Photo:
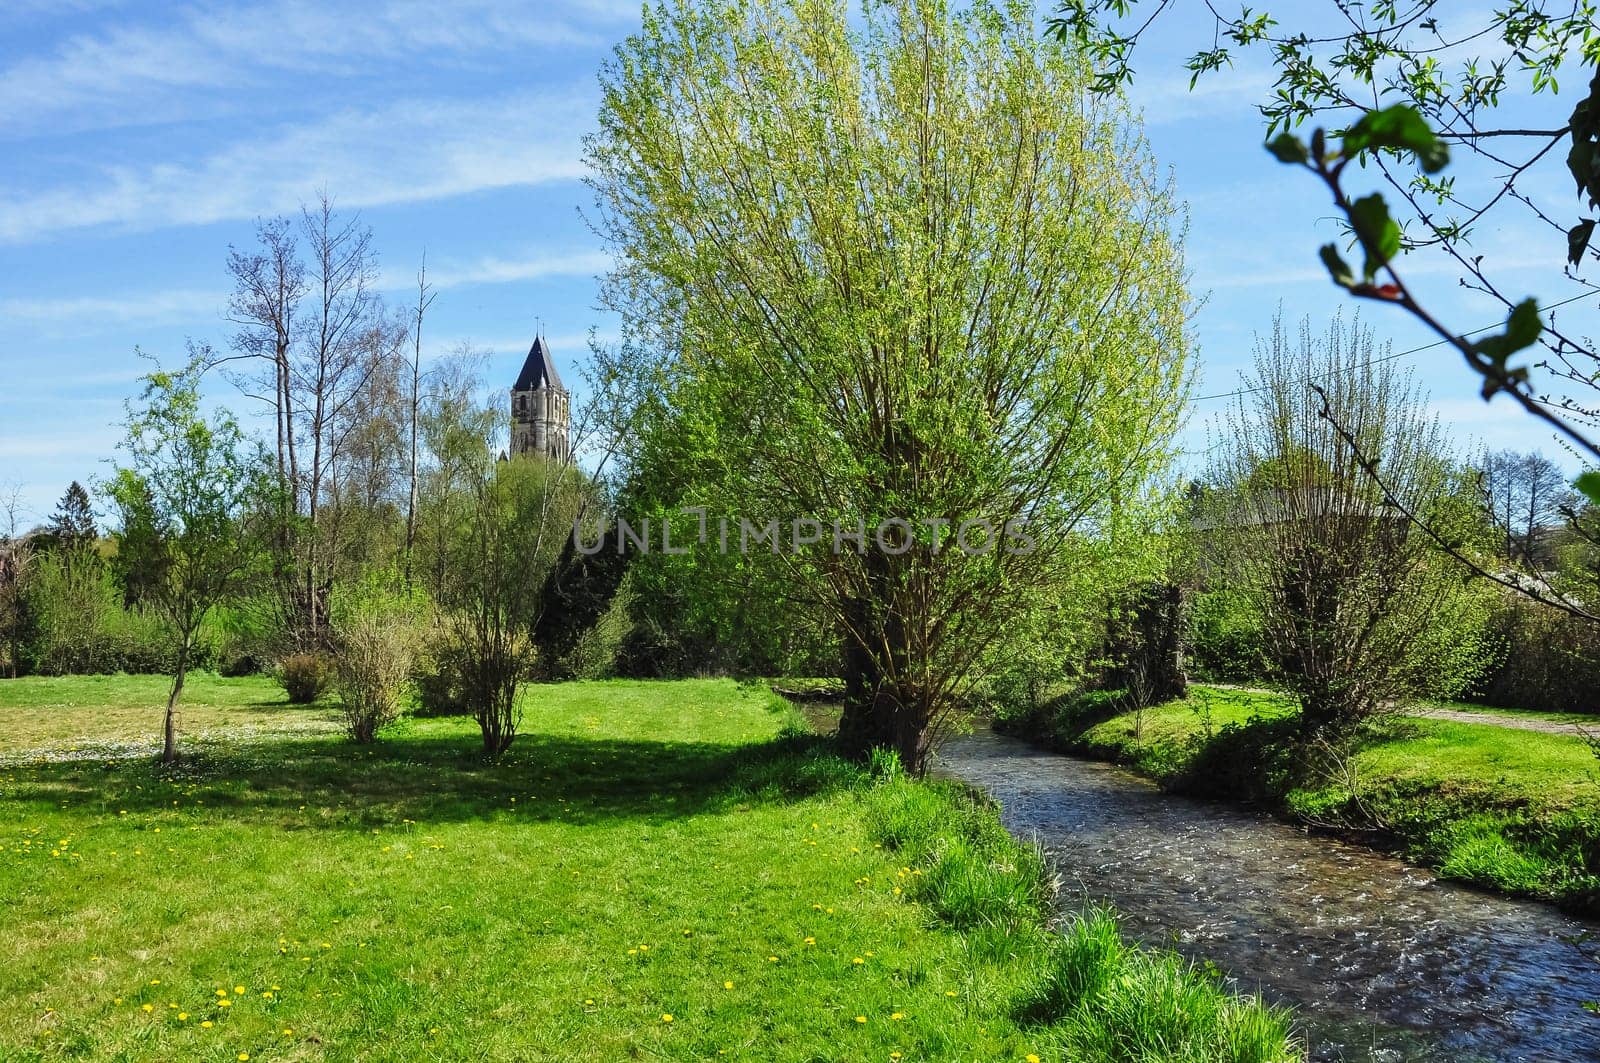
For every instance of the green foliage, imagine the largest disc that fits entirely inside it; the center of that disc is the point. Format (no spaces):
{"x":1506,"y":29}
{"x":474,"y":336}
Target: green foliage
{"x":883,"y":300}
{"x":597,"y":651}
{"x":501,"y":532}
{"x":305,"y":677}
{"x":70,"y":599}
{"x":1408,"y":83}
{"x":1546,"y":659}
{"x":1118,"y":1001}
{"x":1589,"y":484}
{"x":1358,"y":609}
{"x":192,"y":498}
{"x":1225,"y":637}
{"x":376,"y":623}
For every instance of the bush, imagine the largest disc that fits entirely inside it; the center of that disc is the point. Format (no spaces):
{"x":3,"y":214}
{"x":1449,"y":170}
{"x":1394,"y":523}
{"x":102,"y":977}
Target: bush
{"x":304,"y":677}
{"x":375,"y":626}
{"x":1547,"y":660}
{"x":1224,"y":639}
{"x":373,"y":665}
{"x":440,"y":690}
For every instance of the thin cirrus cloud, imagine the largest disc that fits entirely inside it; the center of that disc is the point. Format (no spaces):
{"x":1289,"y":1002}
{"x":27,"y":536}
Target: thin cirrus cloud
{"x":406,"y":152}
{"x":132,"y":74}
{"x":92,"y":314}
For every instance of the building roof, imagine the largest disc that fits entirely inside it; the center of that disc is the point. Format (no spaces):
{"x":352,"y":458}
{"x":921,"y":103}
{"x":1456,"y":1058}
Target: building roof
{"x":539,"y":371}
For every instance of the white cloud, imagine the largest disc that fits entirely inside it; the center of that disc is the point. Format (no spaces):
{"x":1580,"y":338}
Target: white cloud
{"x":133,"y":74}
{"x":410,"y":151}
{"x":500,"y":270}
{"x":87,"y":312}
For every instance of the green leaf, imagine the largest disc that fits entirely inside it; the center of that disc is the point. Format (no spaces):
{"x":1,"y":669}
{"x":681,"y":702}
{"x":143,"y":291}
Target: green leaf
{"x":1588,"y":485}
{"x":1378,"y":233}
{"x":1522,"y":330}
{"x":1286,"y":147}
{"x":1578,"y":240}
{"x":1402,"y":129}
{"x":1338,"y":268}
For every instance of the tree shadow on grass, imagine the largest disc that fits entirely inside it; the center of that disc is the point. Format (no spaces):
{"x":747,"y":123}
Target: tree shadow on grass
{"x":329,"y":783}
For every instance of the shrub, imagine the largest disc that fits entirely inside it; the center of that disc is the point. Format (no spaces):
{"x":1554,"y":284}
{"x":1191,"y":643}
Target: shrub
{"x":1224,"y":636}
{"x":304,"y":676}
{"x":372,"y":667}
{"x":440,"y":688}
{"x":375,"y":627}
{"x":1548,"y":660}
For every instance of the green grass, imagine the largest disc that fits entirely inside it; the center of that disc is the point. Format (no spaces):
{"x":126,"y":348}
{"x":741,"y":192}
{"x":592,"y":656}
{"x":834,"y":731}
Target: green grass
{"x":645,"y":850}
{"x":1506,"y":808}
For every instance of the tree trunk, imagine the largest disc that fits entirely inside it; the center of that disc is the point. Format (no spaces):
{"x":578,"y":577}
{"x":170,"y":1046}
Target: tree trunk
{"x":169,"y":730}
{"x":880,"y":713}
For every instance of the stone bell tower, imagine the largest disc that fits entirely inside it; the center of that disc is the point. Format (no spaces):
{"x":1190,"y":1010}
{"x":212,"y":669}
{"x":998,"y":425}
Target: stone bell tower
{"x":541,"y":420}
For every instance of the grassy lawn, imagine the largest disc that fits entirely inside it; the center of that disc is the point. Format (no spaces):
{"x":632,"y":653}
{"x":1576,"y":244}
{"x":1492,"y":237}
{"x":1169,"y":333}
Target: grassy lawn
{"x":652,"y":872}
{"x":1512,"y":809}
{"x":122,"y":713}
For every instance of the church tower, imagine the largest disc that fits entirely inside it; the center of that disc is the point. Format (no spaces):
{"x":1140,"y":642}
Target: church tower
{"x":541,"y":421}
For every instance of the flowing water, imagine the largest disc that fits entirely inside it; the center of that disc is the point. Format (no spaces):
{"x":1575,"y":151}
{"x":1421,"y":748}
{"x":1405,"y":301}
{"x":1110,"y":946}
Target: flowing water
{"x":1381,"y":962}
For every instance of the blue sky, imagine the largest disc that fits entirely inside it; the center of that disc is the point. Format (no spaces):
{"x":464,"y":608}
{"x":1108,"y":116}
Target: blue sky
{"x":139,"y":140}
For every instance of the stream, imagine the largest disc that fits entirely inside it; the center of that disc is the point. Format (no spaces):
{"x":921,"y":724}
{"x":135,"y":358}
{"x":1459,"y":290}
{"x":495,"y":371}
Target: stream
{"x":1380,"y":961}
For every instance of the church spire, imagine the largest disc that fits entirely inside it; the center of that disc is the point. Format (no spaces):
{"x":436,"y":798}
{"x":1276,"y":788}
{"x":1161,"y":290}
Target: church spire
{"x":541,"y":421}
{"x":539,"y":370}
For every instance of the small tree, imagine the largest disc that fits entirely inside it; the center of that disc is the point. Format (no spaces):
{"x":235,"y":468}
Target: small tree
{"x":489,"y":532}
{"x":512,"y":524}
{"x":192,"y":497}
{"x":1360,"y":610}
{"x":72,"y":524}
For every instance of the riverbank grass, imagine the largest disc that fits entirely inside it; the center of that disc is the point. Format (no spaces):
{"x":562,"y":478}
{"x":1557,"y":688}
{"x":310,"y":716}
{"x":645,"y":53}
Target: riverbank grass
{"x":1502,"y":807}
{"x":655,"y":870}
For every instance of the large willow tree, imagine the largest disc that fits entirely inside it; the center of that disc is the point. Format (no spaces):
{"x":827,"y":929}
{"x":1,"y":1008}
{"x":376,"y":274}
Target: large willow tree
{"x":896,"y":266}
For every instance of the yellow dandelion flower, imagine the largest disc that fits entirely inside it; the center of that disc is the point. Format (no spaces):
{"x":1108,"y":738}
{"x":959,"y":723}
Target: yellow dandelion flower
{"x":858,"y":960}
{"x":239,"y":989}
{"x":117,"y":1000}
{"x":146,"y":1007}
{"x":666,"y":1017}
{"x":727,"y":985}
{"x":588,"y":1002}
{"x":207,"y":1024}
{"x":770,"y":959}
{"x":224,"y":1003}
{"x":949,"y":992}
{"x":288,"y":1032}
{"x":861,"y":1018}
{"x":1031,"y":1058}
{"x":811,"y":941}
{"x":243,"y":1056}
